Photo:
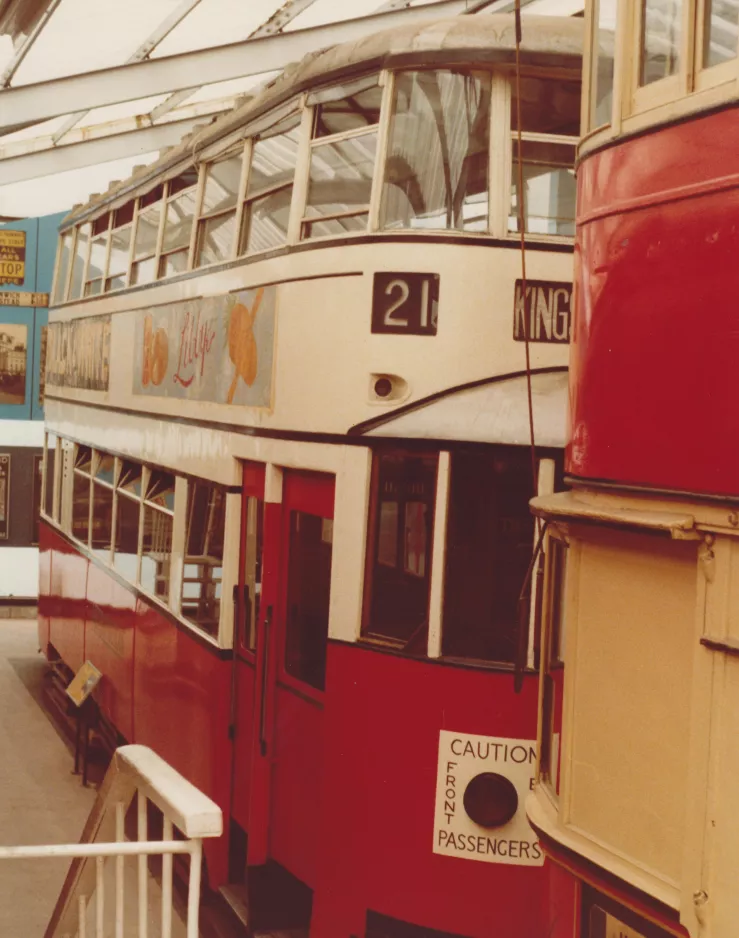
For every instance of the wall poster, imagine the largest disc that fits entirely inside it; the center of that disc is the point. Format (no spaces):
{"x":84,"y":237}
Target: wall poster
{"x":12,"y":257}
{"x":78,"y":354}
{"x":217,"y":348}
{"x":13,"y":362}
{"x":4,"y":495}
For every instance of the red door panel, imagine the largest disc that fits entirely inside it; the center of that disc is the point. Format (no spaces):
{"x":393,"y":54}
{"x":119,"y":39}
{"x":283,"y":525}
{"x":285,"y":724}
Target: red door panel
{"x":291,"y":655}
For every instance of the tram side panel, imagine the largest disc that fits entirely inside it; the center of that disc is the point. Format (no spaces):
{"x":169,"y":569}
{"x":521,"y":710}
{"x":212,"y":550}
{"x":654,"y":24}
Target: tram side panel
{"x":182,"y":689}
{"x":67,"y":612}
{"x":381,"y":821}
{"x":45,"y":595}
{"x":109,"y":642}
{"x":654,"y":344}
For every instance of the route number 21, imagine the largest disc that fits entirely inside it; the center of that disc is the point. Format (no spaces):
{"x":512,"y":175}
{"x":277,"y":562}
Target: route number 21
{"x":405,"y":303}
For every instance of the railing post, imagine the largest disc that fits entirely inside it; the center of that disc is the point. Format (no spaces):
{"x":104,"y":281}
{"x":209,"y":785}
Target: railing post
{"x":193,"y":891}
{"x":167,"y":883}
{"x":99,"y":897}
{"x":119,"y":860}
{"x":143,"y":868}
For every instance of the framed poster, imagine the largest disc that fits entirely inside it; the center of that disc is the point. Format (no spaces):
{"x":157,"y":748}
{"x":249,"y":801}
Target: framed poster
{"x":13,"y":362}
{"x":4,"y":495}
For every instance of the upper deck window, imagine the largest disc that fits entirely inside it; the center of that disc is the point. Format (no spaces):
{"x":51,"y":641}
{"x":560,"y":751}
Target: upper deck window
{"x":550,"y":120}
{"x":62,"y":273}
{"x":79,"y":264}
{"x":116,"y":275}
{"x":436,"y":174}
{"x":143,"y":268}
{"x":661,"y":39}
{"x":270,"y":187}
{"x":217,"y":224}
{"x":178,"y":219}
{"x":98,"y":255}
{"x":720,"y":32}
{"x":342,"y":163}
{"x":604,"y":42}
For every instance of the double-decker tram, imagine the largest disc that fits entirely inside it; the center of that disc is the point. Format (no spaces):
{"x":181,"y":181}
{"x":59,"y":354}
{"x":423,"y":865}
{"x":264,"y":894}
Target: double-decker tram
{"x":635,"y":802}
{"x":287,"y":399}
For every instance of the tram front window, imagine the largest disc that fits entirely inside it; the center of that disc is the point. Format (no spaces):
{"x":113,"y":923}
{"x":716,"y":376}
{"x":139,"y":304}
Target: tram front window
{"x":399,"y":567}
{"x":436,"y":172}
{"x":489,"y":542}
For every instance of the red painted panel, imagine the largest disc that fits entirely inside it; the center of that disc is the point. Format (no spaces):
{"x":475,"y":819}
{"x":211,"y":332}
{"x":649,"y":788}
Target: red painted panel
{"x":243,"y":743}
{"x":382,"y":716}
{"x":655,"y":342}
{"x":44,"y":584}
{"x":295,"y":824}
{"x":182,"y":693}
{"x":109,"y":638}
{"x":67,"y":614}
{"x":564,"y":903}
{"x":312,"y":492}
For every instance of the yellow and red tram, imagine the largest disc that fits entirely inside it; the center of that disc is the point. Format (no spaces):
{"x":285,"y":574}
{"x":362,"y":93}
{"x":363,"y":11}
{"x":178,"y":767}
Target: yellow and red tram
{"x":287,"y":404}
{"x":635,"y":798}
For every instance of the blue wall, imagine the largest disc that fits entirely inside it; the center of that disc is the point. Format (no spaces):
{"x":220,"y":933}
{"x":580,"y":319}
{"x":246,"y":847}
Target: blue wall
{"x":41,"y":242}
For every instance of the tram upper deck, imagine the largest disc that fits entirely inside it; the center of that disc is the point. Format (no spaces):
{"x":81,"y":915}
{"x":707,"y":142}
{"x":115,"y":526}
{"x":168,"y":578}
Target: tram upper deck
{"x":367,"y":202}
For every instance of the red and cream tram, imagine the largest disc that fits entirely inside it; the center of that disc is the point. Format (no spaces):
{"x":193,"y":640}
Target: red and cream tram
{"x":635,"y":802}
{"x":288,"y":468}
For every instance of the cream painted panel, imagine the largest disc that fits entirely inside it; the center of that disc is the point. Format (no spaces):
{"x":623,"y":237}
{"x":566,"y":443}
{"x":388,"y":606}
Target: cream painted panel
{"x":723,"y":817}
{"x":351,"y":509}
{"x":631,"y":708}
{"x":325,"y":350}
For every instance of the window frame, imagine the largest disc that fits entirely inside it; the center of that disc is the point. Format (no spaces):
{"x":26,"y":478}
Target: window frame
{"x":168,"y":198}
{"x":555,"y":534}
{"x":299,"y":112}
{"x":201,"y":217}
{"x":98,"y":237}
{"x":367,"y":634}
{"x":129,"y":261}
{"x":312,"y":142}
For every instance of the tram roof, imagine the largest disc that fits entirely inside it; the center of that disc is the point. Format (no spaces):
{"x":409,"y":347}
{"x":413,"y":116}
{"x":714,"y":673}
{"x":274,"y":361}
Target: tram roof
{"x":547,"y":42}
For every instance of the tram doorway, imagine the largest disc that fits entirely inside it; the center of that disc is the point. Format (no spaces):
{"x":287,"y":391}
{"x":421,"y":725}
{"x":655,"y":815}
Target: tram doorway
{"x":281,"y":667}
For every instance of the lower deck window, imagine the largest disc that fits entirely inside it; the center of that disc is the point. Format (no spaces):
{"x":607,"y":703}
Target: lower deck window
{"x":489,"y":542}
{"x":203,"y":566}
{"x":308,"y":592}
{"x":400,"y":559}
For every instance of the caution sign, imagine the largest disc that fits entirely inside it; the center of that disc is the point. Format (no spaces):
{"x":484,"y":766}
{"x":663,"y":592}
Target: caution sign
{"x":12,"y":257}
{"x":481,"y":787}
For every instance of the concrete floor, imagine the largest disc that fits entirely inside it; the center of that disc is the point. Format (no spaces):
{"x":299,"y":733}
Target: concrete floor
{"x":40,"y":800}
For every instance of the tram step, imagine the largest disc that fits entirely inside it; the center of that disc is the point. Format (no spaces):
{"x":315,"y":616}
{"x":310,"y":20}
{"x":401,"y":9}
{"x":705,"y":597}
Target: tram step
{"x":273,"y":905}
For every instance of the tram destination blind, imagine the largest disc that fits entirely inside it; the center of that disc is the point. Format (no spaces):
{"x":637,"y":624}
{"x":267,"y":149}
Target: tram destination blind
{"x":405,"y":303}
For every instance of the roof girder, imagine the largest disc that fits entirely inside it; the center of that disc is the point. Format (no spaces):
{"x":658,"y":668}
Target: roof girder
{"x":43,"y":100}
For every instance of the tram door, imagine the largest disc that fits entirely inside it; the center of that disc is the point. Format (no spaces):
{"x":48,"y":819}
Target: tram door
{"x":291,"y":674}
{"x":248,"y":606}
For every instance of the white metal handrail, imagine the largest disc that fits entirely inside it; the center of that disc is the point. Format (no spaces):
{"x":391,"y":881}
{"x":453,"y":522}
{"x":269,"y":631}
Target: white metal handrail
{"x":135,"y":771}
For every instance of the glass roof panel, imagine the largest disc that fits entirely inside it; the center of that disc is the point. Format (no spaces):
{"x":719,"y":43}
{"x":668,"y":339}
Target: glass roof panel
{"x":83,"y":36}
{"x":60,"y":192}
{"x":217,"y":22}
